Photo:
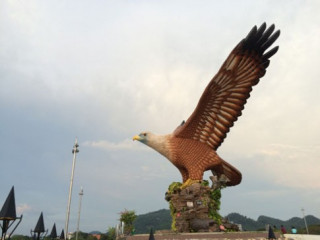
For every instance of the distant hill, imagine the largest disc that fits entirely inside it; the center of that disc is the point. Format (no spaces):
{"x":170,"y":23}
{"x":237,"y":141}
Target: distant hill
{"x":248,"y":224}
{"x":252,"y":225}
{"x":161,"y":220}
{"x":95,"y":232}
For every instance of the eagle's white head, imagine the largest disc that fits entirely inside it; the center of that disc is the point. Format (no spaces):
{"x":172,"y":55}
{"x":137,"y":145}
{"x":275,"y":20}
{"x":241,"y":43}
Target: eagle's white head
{"x":157,"y":142}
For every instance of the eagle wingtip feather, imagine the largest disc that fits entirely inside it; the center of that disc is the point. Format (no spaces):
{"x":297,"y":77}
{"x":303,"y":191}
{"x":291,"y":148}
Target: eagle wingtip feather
{"x":260,"y":39}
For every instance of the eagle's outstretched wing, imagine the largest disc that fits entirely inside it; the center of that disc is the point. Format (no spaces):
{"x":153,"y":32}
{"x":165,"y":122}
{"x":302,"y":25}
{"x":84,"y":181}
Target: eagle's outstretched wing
{"x":225,"y":96}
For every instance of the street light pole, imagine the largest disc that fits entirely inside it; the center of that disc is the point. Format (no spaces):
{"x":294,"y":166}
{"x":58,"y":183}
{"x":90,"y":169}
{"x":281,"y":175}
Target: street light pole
{"x":305,"y":221}
{"x":79,"y":211}
{"x":75,"y":150}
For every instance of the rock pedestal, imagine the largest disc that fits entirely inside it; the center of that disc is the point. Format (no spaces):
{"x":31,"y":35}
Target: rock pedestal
{"x":195,"y":208}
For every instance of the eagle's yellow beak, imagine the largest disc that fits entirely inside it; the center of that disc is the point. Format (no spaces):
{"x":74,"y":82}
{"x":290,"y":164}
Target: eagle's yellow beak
{"x":136,"y":137}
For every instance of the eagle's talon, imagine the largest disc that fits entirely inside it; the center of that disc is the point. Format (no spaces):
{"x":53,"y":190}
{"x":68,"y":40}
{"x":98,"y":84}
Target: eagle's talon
{"x":188,"y":183}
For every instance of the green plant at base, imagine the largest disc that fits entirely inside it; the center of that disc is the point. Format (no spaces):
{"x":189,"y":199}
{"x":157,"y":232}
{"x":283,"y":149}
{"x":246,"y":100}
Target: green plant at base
{"x":175,"y":186}
{"x":214,"y":205}
{"x":205,"y":183}
{"x":173,"y":216}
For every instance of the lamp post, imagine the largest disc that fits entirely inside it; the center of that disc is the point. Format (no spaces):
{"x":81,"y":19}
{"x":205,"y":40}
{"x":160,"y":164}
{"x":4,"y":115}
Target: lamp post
{"x":75,"y":150}
{"x":305,"y":221}
{"x":79,"y":211}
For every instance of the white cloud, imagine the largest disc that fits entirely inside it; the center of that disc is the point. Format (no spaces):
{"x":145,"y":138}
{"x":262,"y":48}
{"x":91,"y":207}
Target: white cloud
{"x":290,"y":166}
{"x":267,"y":193}
{"x":21,"y":208}
{"x":126,"y":144}
{"x":145,"y":168}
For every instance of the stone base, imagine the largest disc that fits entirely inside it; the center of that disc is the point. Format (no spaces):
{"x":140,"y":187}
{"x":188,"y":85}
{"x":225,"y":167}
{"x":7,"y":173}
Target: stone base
{"x":195,"y":208}
{"x":221,"y":236}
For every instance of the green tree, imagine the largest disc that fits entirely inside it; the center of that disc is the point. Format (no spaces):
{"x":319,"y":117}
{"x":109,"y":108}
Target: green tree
{"x":111,"y":234}
{"x":91,"y":237}
{"x":20,"y":237}
{"x":128,"y":218}
{"x":104,"y":236}
{"x":81,"y":236}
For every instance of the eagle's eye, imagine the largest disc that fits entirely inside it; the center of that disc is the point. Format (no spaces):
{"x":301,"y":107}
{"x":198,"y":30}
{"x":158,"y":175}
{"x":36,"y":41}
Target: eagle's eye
{"x":145,"y":134}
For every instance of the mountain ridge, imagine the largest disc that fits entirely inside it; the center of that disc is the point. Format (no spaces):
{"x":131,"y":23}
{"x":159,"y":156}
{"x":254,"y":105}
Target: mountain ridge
{"x":161,"y":220}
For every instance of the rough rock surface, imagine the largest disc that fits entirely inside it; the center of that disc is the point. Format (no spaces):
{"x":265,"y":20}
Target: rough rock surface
{"x":190,"y":210}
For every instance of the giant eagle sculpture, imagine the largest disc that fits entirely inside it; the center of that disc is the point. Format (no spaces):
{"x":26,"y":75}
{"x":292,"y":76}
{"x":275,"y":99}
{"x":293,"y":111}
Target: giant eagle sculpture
{"x":192,"y":146}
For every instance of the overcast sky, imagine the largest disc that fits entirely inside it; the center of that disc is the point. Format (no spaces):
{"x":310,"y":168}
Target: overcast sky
{"x":104,"y":71}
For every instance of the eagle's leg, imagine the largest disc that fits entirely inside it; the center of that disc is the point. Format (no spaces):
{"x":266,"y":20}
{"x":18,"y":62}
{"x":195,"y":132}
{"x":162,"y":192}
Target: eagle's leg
{"x":194,"y":177}
{"x":184,"y":174}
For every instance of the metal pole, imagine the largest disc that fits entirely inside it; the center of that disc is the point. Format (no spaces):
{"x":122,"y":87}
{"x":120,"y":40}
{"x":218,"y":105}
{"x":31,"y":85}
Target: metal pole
{"x":80,"y":198}
{"x":305,"y":221}
{"x":74,"y":151}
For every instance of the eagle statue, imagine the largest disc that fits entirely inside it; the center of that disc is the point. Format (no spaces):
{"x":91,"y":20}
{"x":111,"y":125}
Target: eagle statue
{"x":192,"y":146}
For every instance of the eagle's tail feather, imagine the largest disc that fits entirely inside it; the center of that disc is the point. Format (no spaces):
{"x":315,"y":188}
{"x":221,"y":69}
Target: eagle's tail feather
{"x":231,"y":173}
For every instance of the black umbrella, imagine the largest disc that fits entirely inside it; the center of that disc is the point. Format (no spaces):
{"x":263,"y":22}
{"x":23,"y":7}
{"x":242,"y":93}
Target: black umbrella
{"x":53,"y":234}
{"x":62,"y":234}
{"x":8,"y":214}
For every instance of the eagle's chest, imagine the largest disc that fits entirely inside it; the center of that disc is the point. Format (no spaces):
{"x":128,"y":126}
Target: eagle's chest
{"x":187,"y":151}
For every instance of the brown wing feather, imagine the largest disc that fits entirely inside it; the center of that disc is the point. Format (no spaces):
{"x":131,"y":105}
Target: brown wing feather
{"x":225,"y":96}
